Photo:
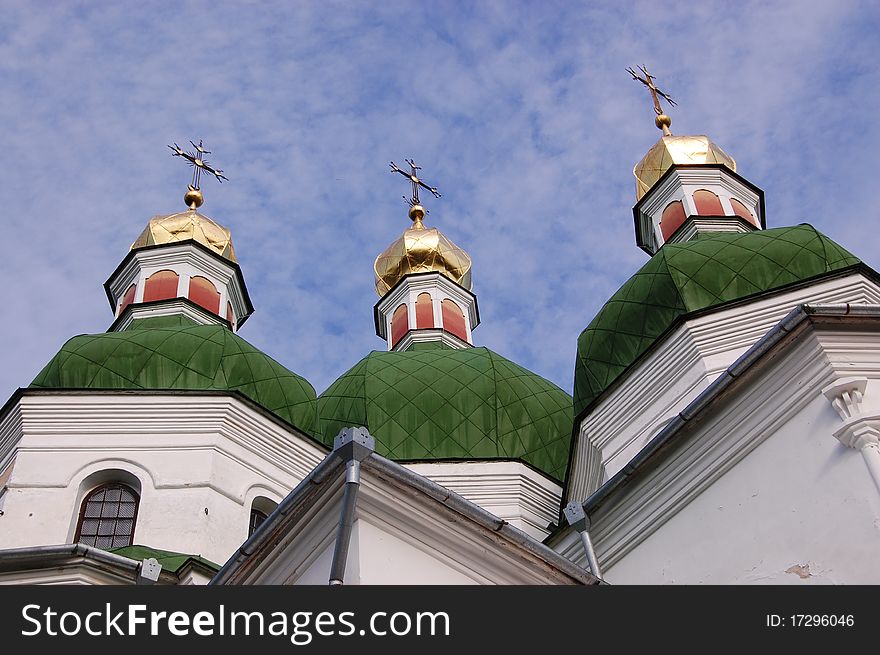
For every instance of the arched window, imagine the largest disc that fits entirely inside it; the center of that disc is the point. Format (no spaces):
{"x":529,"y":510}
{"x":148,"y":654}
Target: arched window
{"x":453,"y":319}
{"x":707,"y":203}
{"x":260,"y":510}
{"x":424,"y":311}
{"x":203,"y":293}
{"x":127,"y":299}
{"x":399,"y":324}
{"x":741,"y":210}
{"x":161,"y":285}
{"x":107,"y":516}
{"x":673,"y":217}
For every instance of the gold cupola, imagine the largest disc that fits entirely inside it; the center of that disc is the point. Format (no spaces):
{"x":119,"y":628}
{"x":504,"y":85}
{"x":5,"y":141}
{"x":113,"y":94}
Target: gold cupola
{"x":673,"y":150}
{"x":184,"y":226}
{"x":421,"y":249}
{"x":424,"y":283}
{"x":687,"y":186}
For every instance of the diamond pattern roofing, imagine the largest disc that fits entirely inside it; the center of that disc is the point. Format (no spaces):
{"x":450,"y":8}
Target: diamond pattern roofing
{"x":173,"y":352}
{"x":436,"y":403}
{"x":689,"y":277}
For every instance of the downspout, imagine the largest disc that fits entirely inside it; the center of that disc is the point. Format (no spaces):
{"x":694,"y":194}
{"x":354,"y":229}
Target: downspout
{"x":578,"y":519}
{"x":352,"y":445}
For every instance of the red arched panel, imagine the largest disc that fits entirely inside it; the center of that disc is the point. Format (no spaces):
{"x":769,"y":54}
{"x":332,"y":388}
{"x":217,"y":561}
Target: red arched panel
{"x":453,"y":319}
{"x":707,"y":203}
{"x":673,"y":217}
{"x":741,"y":210}
{"x":161,"y":286}
{"x":399,"y":324}
{"x":127,"y":299}
{"x":424,"y":311}
{"x":203,"y":293}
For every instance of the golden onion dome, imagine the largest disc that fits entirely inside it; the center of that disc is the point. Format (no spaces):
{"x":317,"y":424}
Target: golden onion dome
{"x":421,"y":250}
{"x":184,"y":226}
{"x":671,"y":150}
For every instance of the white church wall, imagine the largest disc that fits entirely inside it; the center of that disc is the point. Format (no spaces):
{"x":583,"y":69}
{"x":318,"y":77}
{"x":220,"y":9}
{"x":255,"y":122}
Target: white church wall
{"x":762,"y":492}
{"x":391,"y":557}
{"x":199,"y":461}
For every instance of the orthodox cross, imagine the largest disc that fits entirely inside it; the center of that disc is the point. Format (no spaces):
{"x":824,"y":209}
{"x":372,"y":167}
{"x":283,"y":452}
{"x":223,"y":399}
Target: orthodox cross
{"x":663,"y":121}
{"x":416,"y":182}
{"x":198,"y":162}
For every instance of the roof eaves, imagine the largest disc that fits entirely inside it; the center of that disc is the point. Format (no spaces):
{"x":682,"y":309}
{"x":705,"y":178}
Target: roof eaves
{"x":750,"y":362}
{"x":331,"y":467}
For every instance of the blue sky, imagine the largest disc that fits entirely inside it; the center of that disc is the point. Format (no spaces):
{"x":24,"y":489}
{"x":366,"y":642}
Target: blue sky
{"x":521,"y":113}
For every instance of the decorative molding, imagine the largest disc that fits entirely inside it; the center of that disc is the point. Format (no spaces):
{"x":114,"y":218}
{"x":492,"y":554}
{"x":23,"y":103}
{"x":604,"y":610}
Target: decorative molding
{"x":170,"y":307}
{"x":137,"y":423}
{"x":694,"y":226}
{"x":510,"y":490}
{"x":429,"y":336}
{"x":845,"y":396}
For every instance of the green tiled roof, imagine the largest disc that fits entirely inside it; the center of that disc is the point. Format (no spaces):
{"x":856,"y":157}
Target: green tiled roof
{"x":434,"y":404}
{"x":688,"y":277}
{"x":170,"y":561}
{"x":176,"y":353}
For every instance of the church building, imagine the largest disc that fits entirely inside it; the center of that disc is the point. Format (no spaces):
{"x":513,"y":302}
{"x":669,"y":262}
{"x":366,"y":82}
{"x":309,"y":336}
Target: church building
{"x":724,"y":425}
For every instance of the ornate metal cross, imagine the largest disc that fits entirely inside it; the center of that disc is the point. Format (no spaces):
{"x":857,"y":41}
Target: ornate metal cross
{"x":416,"y":182}
{"x":656,"y":94}
{"x":198,"y":162}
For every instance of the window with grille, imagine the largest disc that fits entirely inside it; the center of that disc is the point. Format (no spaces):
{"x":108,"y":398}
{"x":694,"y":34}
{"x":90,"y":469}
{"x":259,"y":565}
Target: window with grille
{"x":257,"y":517}
{"x":107,"y":516}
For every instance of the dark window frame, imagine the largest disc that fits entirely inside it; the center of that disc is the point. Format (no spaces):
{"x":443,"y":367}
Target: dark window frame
{"x":254,"y":524}
{"x":93,"y":539}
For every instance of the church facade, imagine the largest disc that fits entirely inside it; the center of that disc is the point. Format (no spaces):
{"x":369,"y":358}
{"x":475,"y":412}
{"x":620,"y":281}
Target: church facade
{"x":723,"y":426}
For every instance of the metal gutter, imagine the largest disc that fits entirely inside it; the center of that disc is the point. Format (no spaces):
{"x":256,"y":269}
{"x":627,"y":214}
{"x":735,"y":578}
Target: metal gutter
{"x":791,"y":323}
{"x":19,"y":559}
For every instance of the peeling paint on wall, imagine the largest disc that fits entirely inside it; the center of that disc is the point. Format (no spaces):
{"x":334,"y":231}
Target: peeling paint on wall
{"x":800,"y":570}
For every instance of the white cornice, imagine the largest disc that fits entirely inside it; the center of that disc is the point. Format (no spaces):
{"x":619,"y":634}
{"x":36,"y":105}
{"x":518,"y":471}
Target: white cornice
{"x":694,"y":226}
{"x":510,"y":490}
{"x":133,"y":423}
{"x":430,"y":336}
{"x":170,"y":307}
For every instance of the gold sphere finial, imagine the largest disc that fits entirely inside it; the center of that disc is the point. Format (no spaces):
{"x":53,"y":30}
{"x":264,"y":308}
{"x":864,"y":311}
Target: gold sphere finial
{"x":662,"y":121}
{"x":193,"y":198}
{"x":416,"y":214}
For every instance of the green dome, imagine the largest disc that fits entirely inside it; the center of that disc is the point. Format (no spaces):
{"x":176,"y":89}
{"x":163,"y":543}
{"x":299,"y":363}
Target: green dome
{"x":174,"y":352}
{"x":447,"y":404}
{"x":683,"y":278}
